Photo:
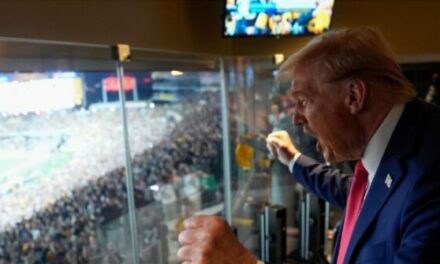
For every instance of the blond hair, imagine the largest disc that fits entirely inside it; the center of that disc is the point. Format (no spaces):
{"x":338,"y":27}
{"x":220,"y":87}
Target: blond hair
{"x":361,"y":53}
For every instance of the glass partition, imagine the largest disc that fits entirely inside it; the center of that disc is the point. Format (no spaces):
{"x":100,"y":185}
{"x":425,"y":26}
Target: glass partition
{"x":175,"y":139}
{"x":259,"y":105}
{"x":55,"y":153}
{"x":83,"y":181}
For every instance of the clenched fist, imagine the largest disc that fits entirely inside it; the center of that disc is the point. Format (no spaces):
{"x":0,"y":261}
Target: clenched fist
{"x":209,"y":240}
{"x":280,"y":145}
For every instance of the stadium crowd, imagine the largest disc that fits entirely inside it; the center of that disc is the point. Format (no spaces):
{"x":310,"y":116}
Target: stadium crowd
{"x":174,"y":147}
{"x":81,"y":144}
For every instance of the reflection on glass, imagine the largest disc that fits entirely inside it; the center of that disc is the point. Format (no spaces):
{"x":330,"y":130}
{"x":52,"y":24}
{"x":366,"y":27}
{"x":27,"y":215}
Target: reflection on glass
{"x":260,"y":105}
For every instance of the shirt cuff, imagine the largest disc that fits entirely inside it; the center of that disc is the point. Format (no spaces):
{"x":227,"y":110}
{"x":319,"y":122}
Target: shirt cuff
{"x":293,"y":161}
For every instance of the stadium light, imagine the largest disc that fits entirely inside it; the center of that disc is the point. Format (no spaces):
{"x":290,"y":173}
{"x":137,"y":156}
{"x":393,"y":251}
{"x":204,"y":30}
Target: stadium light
{"x":176,"y":73}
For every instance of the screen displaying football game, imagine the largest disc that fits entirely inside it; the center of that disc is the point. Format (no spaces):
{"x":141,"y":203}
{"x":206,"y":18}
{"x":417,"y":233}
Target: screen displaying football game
{"x":277,"y":17}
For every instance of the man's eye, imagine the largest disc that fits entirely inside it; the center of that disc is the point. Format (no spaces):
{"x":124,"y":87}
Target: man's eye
{"x":302,"y":102}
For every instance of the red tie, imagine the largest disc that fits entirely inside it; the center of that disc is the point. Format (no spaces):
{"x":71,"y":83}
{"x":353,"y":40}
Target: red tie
{"x":354,"y":202}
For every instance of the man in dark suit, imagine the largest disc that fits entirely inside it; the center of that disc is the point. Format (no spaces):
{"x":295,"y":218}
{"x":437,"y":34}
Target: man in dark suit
{"x":352,"y":96}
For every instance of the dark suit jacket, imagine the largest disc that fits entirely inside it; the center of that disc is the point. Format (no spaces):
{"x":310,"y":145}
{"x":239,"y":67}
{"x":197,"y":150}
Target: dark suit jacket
{"x":399,"y":224}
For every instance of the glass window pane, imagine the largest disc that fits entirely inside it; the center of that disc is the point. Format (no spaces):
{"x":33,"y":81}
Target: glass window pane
{"x":260,"y":105}
{"x":174,"y":126}
{"x":61,"y":155}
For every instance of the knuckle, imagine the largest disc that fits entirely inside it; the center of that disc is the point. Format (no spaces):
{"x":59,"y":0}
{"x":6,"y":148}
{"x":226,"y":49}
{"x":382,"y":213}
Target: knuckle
{"x":207,"y":238}
{"x":218,"y":221}
{"x":219,"y":225}
{"x":183,"y":237}
{"x":183,"y":253}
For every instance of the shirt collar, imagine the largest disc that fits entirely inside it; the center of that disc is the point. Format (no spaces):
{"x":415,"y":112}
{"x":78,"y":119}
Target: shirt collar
{"x":378,"y":143}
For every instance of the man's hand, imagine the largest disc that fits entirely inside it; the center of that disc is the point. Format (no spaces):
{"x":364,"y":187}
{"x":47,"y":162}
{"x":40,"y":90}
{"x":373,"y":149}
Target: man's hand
{"x":280,"y":145}
{"x":209,"y":240}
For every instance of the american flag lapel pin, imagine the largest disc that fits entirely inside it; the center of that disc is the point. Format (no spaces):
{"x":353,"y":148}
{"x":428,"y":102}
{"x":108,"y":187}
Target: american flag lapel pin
{"x":388,"y":181}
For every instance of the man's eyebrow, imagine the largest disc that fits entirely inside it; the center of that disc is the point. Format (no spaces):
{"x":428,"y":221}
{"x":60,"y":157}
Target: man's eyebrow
{"x":299,"y":93}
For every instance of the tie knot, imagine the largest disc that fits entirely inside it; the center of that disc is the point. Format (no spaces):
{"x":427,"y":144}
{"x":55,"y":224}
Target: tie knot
{"x":360,"y":171}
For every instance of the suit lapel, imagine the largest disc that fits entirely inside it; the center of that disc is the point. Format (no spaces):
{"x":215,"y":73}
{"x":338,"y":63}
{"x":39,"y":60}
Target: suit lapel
{"x":390,"y":167}
{"x":376,"y":197}
{"x":338,"y":241}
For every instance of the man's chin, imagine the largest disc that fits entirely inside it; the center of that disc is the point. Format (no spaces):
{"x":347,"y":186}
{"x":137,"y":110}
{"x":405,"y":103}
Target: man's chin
{"x":328,"y":155}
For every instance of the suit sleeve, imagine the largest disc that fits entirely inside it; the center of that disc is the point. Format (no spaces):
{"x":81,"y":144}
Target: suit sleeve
{"x":421,"y":225}
{"x":324,"y":181}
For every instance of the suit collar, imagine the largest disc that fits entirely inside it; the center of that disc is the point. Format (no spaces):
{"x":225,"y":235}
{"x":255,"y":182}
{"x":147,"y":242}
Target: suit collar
{"x":407,"y":128}
{"x":379,"y":141}
{"x":390,"y":167}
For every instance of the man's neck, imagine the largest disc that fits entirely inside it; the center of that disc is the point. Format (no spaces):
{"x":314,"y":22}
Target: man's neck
{"x":373,"y":119}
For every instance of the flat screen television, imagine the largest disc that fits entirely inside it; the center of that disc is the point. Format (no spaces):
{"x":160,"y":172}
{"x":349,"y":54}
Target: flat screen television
{"x":276,"y":17}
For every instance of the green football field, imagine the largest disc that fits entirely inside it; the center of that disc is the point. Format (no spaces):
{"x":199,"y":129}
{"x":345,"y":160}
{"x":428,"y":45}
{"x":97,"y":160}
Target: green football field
{"x":28,"y":168}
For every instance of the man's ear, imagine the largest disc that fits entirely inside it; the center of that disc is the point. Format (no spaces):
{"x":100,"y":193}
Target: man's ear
{"x":356,"y":96}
